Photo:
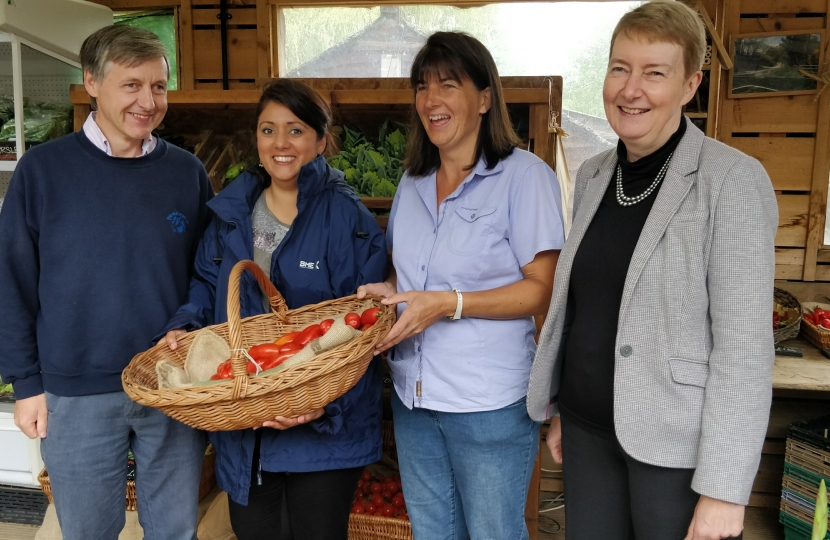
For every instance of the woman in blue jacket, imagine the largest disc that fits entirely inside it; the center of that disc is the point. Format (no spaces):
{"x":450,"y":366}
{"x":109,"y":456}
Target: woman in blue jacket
{"x":297,"y":219}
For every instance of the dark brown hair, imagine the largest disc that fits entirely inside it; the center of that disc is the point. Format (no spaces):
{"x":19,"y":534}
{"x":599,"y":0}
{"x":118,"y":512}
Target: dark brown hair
{"x":461,"y":57}
{"x":306,"y":104}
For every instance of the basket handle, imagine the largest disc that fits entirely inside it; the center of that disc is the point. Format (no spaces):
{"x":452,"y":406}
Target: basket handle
{"x":239,"y":361}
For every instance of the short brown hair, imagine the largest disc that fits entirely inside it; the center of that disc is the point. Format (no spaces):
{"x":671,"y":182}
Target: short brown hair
{"x":120,"y":44}
{"x":463,"y":58}
{"x":667,"y":21}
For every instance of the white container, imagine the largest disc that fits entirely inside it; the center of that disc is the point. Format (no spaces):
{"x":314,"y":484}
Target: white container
{"x":20,"y":460}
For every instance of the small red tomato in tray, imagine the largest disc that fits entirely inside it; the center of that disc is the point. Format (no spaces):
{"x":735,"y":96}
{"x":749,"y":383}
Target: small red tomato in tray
{"x":370,"y":316}
{"x":326,"y":325}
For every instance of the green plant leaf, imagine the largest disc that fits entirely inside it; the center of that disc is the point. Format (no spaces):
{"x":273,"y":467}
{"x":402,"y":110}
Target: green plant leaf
{"x":820,"y":516}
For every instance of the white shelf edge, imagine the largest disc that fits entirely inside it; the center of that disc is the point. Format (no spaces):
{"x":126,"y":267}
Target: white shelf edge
{"x":7,"y":165}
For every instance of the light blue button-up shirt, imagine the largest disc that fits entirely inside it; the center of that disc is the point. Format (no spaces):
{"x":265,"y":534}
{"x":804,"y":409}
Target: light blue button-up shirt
{"x":479,"y":238}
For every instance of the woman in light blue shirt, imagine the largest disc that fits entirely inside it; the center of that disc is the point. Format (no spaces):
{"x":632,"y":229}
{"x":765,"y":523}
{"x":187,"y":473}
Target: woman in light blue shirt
{"x":475,"y":233}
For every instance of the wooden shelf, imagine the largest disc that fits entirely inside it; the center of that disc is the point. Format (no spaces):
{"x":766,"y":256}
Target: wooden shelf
{"x":811,"y":372}
{"x":697,"y":114}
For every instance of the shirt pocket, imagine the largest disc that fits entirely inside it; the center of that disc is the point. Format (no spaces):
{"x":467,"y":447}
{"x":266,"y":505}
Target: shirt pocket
{"x":469,"y":229}
{"x":689,"y":372}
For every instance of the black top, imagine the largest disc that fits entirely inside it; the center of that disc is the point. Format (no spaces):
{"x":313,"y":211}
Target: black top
{"x":597,"y":279}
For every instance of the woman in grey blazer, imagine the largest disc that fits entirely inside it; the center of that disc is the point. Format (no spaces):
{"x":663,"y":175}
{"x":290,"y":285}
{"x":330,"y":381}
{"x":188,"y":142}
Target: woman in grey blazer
{"x":656,"y":356}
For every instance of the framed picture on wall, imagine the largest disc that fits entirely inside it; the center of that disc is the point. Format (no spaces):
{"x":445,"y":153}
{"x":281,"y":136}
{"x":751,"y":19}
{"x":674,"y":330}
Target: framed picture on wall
{"x":771,"y":64}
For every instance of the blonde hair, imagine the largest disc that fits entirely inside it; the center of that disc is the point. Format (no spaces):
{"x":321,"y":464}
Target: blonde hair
{"x":667,"y":21}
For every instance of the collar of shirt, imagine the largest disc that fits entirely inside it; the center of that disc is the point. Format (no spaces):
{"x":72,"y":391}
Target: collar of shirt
{"x":97,"y":137}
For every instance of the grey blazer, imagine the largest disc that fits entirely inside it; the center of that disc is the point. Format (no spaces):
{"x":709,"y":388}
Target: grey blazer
{"x":694,"y":348}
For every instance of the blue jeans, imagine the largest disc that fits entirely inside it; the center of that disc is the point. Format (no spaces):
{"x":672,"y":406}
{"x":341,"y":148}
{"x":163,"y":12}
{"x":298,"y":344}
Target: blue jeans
{"x":85,"y":452}
{"x":466,"y":475}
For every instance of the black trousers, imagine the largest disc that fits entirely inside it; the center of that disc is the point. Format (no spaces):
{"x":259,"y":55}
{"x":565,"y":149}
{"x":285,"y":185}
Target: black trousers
{"x":318,"y":506}
{"x":611,"y":496}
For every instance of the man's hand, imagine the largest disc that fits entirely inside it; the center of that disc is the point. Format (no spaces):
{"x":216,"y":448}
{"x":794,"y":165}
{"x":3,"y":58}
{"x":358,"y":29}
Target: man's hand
{"x":716,"y":519}
{"x":30,"y":415}
{"x":554,"y":439}
{"x":281,"y":422}
{"x":172,"y":338}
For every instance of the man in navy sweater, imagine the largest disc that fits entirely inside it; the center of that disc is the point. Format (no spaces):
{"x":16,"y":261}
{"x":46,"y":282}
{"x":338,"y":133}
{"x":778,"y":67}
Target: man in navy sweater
{"x":97,"y":238}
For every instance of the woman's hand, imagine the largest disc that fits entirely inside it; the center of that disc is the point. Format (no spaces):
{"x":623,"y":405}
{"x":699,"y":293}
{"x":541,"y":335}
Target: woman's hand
{"x":716,"y":519}
{"x":422,"y":310}
{"x":554,"y":439}
{"x":172,"y":338}
{"x":282,"y":422}
{"x":384,"y":289}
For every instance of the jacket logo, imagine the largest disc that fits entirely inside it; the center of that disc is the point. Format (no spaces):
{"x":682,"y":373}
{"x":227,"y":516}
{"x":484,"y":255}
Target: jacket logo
{"x":310,"y":265}
{"x":177,"y":222}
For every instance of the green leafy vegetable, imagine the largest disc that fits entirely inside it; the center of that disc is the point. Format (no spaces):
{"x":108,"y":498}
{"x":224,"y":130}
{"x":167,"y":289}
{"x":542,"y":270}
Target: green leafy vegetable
{"x":372,"y":170}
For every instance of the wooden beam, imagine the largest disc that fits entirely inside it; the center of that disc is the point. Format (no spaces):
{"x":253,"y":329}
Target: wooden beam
{"x":821,"y":174}
{"x":278,"y":47}
{"x":187,"y":78}
{"x":263,"y":38}
{"x":716,"y":39}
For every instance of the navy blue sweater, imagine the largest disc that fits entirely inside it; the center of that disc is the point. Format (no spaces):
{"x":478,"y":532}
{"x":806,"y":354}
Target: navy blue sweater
{"x":95,"y":257}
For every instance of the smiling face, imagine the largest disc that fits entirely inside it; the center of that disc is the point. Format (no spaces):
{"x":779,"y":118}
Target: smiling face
{"x":132,"y":101}
{"x":644,"y":92}
{"x":285,"y":143}
{"x":451,"y":112}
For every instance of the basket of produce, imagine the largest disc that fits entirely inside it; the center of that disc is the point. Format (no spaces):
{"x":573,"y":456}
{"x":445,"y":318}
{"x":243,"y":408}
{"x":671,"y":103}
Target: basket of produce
{"x":786,"y":316}
{"x":206,"y":484}
{"x":816,"y":327}
{"x":242,"y":373}
{"x":379,"y":509}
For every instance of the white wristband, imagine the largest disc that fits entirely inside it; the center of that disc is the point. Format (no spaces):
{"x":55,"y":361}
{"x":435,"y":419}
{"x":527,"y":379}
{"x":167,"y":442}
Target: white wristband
{"x":458,"y":306}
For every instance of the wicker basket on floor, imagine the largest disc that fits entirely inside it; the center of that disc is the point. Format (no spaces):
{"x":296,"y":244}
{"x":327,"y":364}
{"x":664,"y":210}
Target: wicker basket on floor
{"x":363,"y":527}
{"x":820,"y":337}
{"x":205,"y":485}
{"x":247,"y":401}
{"x":787,"y":301}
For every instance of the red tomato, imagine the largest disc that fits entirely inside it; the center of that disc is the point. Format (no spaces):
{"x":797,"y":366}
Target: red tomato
{"x":366,"y":327}
{"x":370,"y":316}
{"x":366,"y":476}
{"x":397,"y":501}
{"x":377,"y":499}
{"x":261,"y":351}
{"x":370,"y":508}
{"x":359,"y":484}
{"x":386,"y":494}
{"x":403,"y":517}
{"x":251,"y":367}
{"x":825,"y":323}
{"x":287,"y":338}
{"x":225,"y":370}
{"x":309,"y":334}
{"x":365,"y":489}
{"x":388,"y":511}
{"x":358,"y":509}
{"x":273,"y":361}
{"x":292,"y":347}
{"x":215,"y":377}
{"x":353,"y":320}
{"x":378,"y":512}
{"x":375,"y":487}
{"x":325,"y":325}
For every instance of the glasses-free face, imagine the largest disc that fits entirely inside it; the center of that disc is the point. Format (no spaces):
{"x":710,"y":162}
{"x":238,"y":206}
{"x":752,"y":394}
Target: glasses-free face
{"x":132,"y":101}
{"x":450,"y":111}
{"x":644,"y":92}
{"x":285,"y":143}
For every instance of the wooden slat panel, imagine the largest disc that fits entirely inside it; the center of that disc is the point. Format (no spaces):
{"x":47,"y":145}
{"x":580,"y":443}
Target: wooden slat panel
{"x":787,"y":114}
{"x":784,"y":24}
{"x":788,"y":160}
{"x":242,"y":56}
{"x":770,"y":471}
{"x":823,"y":272}
{"x":792,"y":220}
{"x":232,"y":85}
{"x":264,"y":37}
{"x":789,"y":271}
{"x":789,"y":256}
{"x":783,"y":6}
{"x":823,"y":256}
{"x":238,"y":16}
{"x":80,"y":113}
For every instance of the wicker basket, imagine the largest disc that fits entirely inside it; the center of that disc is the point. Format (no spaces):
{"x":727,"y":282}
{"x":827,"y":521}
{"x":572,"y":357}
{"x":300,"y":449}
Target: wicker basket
{"x":205,"y":485}
{"x":248,"y":401}
{"x":787,"y":301}
{"x":363,"y":527}
{"x":819,"y":337}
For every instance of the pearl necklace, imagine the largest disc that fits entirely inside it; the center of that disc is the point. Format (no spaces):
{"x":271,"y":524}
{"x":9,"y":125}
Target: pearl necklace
{"x":630,"y":201}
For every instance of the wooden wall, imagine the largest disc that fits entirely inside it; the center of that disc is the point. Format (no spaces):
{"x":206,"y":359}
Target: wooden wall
{"x":790,"y":135}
